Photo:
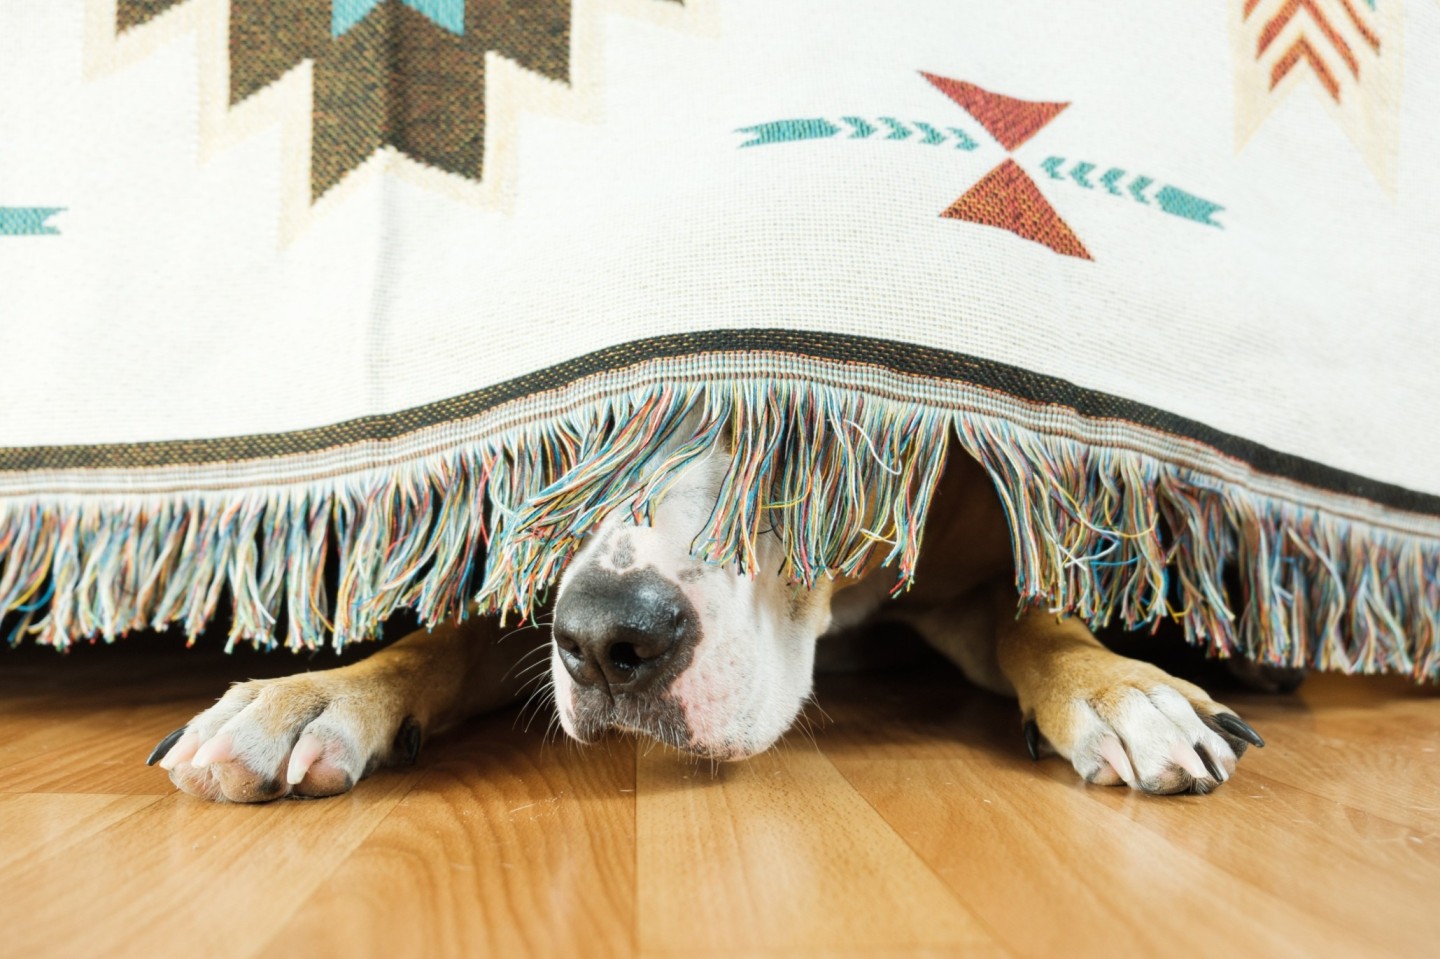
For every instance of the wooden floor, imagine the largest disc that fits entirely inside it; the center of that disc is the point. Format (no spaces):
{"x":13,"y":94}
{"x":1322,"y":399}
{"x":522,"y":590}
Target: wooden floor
{"x":914,"y":825}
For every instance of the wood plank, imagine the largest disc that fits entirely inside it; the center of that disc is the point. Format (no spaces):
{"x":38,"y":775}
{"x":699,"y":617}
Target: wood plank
{"x":943,"y":763}
{"x":1368,"y":744}
{"x":1293,"y":845}
{"x":507,"y":846}
{"x":779,"y":854}
{"x":1328,"y":842}
{"x":97,"y":751}
{"x":1054,"y":873}
{"x":34,"y":827}
{"x":182,"y":875}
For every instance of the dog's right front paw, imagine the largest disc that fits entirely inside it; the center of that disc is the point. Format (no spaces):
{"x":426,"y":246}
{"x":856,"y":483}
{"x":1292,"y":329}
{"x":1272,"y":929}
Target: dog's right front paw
{"x":309,"y":735}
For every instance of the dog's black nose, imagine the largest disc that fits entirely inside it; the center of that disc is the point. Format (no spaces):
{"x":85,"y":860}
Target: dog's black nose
{"x":627,"y":632}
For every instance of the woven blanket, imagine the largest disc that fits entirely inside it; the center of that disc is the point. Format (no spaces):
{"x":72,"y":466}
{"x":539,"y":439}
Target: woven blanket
{"x":314,"y":310}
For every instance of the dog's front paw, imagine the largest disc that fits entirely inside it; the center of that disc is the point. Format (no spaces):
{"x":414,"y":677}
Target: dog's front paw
{"x":1141,"y":727}
{"x":311,"y":735}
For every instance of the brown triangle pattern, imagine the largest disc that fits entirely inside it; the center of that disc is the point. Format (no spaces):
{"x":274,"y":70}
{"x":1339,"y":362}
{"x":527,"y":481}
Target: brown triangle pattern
{"x":395,"y":79}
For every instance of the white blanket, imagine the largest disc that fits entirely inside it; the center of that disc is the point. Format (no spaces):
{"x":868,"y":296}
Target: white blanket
{"x":412,"y":288}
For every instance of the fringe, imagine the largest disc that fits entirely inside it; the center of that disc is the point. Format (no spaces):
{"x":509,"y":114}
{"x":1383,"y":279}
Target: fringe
{"x":843,"y":477}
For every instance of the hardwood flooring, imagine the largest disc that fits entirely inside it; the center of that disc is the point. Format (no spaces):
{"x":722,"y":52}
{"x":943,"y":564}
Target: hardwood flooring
{"x":912,"y":824}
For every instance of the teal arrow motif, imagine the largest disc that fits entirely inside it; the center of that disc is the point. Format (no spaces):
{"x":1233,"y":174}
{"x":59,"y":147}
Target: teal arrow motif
{"x":862,"y":128}
{"x":933,"y":137}
{"x":1137,"y":187}
{"x":898,"y":130}
{"x":449,"y":14}
{"x":1177,"y":202}
{"x":28,"y":220}
{"x":965,"y":142}
{"x":783,"y":131}
{"x":1051,"y":165}
{"x":1080,"y":171}
{"x":1111,"y":178}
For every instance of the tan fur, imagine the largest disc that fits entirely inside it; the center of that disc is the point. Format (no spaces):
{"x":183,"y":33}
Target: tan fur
{"x":433,"y":679}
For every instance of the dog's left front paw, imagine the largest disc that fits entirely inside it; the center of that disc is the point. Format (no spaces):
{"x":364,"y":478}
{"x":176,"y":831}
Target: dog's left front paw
{"x":1145,"y":729}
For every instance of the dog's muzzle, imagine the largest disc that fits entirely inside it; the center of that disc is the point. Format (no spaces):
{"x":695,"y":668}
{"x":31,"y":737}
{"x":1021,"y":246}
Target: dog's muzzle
{"x":623,"y":637}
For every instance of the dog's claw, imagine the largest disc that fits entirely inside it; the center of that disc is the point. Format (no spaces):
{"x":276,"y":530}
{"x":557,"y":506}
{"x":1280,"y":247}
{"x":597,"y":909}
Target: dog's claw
{"x":1210,"y":765}
{"x":1032,"y":738}
{"x":158,"y":753}
{"x":219,"y":748}
{"x":1237,"y":727}
{"x":307,"y":749}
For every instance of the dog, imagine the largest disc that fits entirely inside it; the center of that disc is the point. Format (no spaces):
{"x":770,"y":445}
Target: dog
{"x":649,"y":640}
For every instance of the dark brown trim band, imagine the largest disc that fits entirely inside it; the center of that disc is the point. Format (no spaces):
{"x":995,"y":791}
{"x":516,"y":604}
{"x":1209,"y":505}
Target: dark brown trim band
{"x":897,"y":357}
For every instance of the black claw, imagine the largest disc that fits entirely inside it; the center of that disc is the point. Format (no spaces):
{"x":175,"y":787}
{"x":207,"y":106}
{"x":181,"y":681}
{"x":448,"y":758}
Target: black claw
{"x":1215,"y":772}
{"x":1236,"y":726}
{"x":158,"y":753}
{"x":1032,"y":738}
{"x":407,"y":741}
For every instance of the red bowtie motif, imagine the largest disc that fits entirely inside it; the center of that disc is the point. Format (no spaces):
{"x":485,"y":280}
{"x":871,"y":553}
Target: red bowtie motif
{"x":1006,"y":197}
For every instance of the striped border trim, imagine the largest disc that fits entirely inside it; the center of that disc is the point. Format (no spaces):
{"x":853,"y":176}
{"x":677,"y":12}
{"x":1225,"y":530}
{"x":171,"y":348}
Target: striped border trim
{"x":883,"y":367}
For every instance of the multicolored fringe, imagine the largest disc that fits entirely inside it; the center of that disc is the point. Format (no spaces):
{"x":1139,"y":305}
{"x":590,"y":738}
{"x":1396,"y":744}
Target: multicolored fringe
{"x":1116,"y":535}
{"x":845,"y":479}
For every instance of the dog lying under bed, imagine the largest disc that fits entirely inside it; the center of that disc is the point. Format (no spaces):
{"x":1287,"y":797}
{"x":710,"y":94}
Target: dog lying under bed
{"x":646,"y":639}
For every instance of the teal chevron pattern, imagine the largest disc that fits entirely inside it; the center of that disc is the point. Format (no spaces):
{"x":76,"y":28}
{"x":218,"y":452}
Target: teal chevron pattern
{"x":1116,"y":181}
{"x":994,"y":200}
{"x":785,"y":131}
{"x":449,"y":14}
{"x":1168,"y":199}
{"x":28,"y":220}
{"x":933,"y":137}
{"x":1137,"y":188}
{"x":1177,"y":202}
{"x":858,"y":128}
{"x":963,"y":138}
{"x":898,"y":130}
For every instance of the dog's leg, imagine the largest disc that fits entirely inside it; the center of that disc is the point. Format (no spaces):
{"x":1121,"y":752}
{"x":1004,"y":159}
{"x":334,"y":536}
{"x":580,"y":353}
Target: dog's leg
{"x":1117,"y":720}
{"x":318,"y":733}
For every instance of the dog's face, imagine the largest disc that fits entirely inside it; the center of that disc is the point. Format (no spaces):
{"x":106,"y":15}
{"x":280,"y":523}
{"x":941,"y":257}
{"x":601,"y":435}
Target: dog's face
{"x":647,"y":639}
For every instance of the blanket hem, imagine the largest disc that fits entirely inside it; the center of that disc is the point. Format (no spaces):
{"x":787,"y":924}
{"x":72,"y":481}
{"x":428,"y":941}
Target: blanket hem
{"x":840,"y":467}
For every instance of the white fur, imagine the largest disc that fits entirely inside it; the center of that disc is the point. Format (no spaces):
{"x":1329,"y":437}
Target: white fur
{"x":1143,"y":739}
{"x":752,"y":668}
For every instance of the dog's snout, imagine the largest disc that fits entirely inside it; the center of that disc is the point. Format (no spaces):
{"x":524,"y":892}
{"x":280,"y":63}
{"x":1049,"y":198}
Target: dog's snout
{"x":625,"y":631}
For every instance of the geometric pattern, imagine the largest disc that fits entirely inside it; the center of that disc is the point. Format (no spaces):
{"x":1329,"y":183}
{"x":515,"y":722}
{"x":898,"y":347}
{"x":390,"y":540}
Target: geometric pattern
{"x":1346,"y":51}
{"x":859,"y":128}
{"x":394,"y":77}
{"x":28,"y":220}
{"x":449,"y":14}
{"x":1007,"y":197}
{"x":1167,"y":199}
{"x":1011,"y":121}
{"x":409,"y":80}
